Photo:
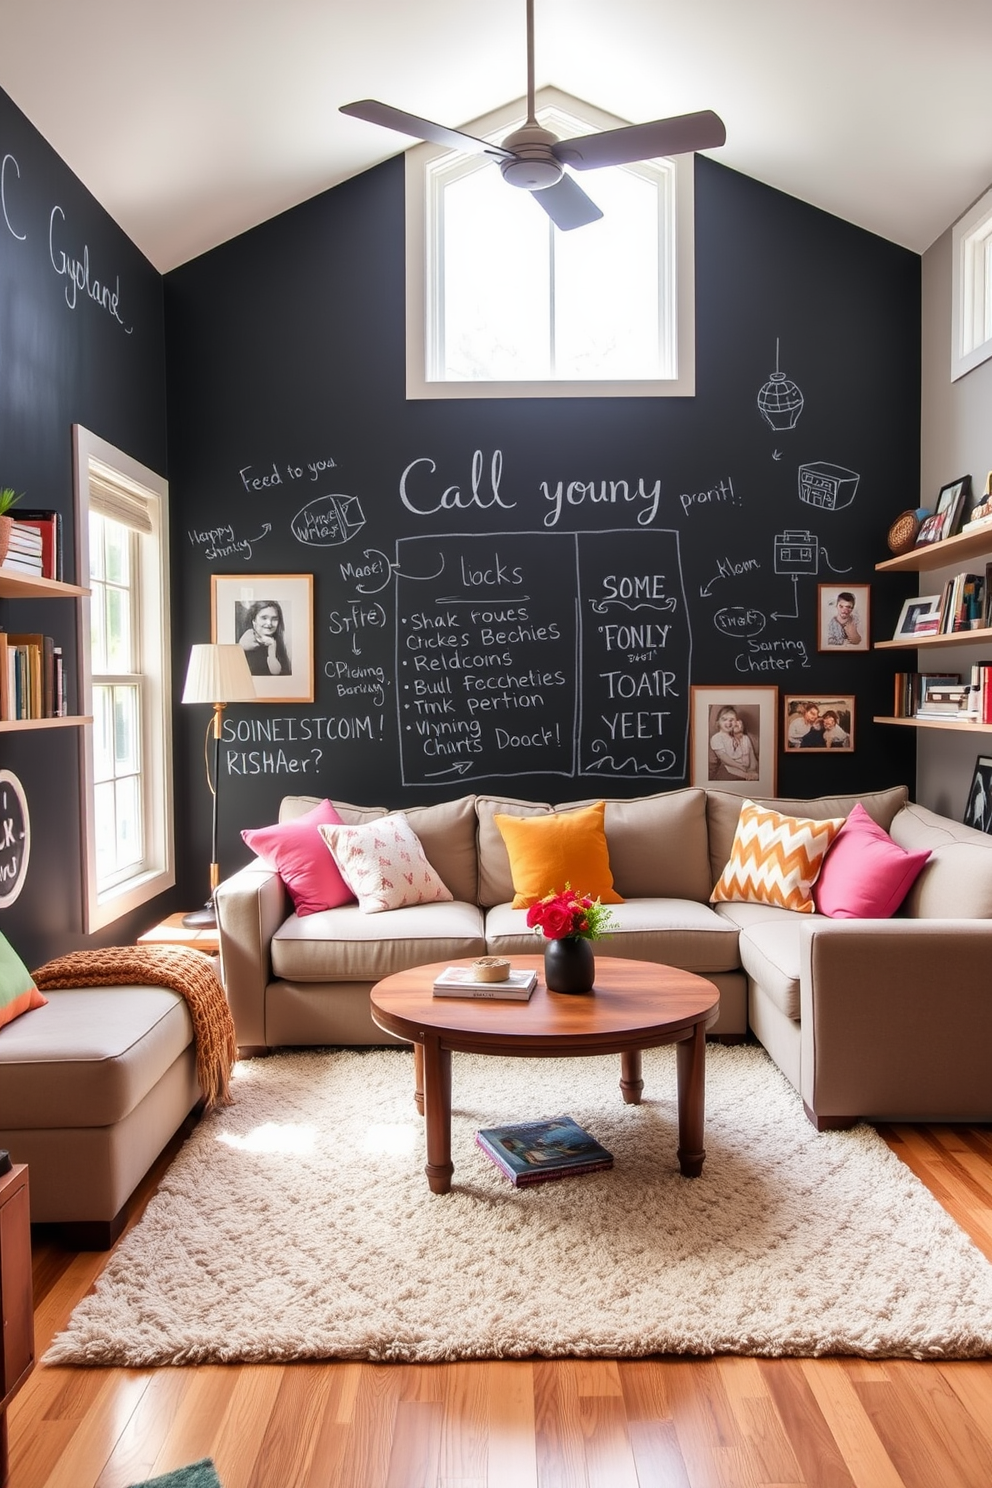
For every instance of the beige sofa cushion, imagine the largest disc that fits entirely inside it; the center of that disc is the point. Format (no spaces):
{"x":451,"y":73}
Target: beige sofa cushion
{"x":674,"y":932}
{"x":770,"y":954}
{"x":345,"y":945}
{"x":956,"y":883}
{"x":657,"y":844}
{"x":723,"y":809}
{"x":495,"y":878}
{"x":90,"y":1056}
{"x":290,"y":807}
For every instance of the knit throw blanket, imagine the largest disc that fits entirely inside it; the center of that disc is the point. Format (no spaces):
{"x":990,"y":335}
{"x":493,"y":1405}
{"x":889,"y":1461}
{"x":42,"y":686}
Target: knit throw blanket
{"x":185,"y":971}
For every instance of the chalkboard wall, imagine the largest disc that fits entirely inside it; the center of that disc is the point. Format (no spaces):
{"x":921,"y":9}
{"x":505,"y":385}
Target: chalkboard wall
{"x":517,"y":597}
{"x":81,"y":341}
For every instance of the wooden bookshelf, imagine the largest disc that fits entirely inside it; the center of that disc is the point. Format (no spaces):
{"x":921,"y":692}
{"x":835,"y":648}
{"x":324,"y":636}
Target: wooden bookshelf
{"x":956,"y":725}
{"x":953,"y":550}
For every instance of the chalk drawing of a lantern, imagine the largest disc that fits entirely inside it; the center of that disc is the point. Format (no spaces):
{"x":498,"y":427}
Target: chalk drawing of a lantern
{"x":779,"y":400}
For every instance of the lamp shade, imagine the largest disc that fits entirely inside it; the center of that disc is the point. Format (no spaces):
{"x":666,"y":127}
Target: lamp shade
{"x":218,"y":674}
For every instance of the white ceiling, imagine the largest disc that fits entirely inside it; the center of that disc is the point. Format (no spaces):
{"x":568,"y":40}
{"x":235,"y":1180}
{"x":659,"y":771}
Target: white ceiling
{"x":192,"y":120}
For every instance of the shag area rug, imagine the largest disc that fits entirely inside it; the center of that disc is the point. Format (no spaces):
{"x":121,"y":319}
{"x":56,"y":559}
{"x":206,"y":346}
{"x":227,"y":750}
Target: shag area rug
{"x":297,"y":1224}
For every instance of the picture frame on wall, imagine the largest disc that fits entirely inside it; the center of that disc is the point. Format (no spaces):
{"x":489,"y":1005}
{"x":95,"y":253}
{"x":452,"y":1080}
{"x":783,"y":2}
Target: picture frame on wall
{"x":734,"y":738}
{"x":978,"y":811}
{"x":271,"y":617}
{"x":945,"y":519}
{"x":823,"y":724}
{"x":843,"y":617}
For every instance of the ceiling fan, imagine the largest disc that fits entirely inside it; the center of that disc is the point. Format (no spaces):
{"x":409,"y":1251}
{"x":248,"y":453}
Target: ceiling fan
{"x":534,"y":159}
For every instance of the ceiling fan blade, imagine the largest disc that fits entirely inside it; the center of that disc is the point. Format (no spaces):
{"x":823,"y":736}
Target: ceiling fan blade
{"x":675,"y":136}
{"x":374,"y":112}
{"x":567,"y":204}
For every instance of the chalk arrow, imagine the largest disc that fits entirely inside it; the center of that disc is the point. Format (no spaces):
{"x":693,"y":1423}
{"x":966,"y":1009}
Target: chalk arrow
{"x":776,"y":454}
{"x":458,"y":769}
{"x":704,"y":589}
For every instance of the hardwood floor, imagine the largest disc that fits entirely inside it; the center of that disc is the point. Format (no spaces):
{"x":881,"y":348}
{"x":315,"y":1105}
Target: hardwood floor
{"x":656,"y":1423}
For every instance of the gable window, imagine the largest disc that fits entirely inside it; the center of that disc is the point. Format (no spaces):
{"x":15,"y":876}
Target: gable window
{"x":128,"y":852}
{"x":501,"y":303}
{"x":971,"y":285}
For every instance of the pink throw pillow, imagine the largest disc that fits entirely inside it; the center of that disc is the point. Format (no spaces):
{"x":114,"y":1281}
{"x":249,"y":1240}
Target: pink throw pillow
{"x":295,"y":849}
{"x":865,"y":875}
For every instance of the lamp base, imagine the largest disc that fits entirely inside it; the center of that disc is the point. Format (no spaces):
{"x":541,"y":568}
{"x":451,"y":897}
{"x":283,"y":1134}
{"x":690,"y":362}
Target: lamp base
{"x":201,"y":919}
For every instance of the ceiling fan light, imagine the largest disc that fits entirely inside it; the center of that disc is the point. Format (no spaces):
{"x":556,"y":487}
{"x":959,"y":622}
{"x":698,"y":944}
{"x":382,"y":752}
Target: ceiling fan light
{"x":531,"y":175}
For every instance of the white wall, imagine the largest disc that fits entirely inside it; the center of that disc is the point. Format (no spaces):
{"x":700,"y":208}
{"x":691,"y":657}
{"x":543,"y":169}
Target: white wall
{"x":956,"y":435}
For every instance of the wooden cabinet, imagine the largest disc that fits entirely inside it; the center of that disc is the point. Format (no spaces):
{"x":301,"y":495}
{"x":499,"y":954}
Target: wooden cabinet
{"x":24,"y":586}
{"x":953,"y":551}
{"x":16,"y":1294}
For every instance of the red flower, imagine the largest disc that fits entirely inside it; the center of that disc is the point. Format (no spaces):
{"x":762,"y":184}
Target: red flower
{"x":558,"y":916}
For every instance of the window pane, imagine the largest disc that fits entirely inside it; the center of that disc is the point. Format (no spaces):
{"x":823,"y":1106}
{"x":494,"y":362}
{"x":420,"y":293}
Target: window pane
{"x":103,"y":733}
{"x":606,"y":284}
{"x":495,"y":282}
{"x":106,"y":833}
{"x":118,"y":548}
{"x":129,"y":845}
{"x":98,"y":567}
{"x":125,"y":729}
{"x":118,"y":622}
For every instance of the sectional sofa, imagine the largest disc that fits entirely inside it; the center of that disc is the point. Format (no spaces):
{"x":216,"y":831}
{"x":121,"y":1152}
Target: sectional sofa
{"x":880,"y":1019}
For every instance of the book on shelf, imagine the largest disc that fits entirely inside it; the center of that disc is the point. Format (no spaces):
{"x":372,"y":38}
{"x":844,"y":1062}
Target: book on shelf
{"x":32,"y":677}
{"x":458,"y":981}
{"x":24,"y":538}
{"x":26,"y":563}
{"x":912,"y":688}
{"x":540,"y":1151}
{"x":48,"y":524}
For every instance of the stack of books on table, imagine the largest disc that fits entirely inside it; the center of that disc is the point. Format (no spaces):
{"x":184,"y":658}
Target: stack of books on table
{"x":538,"y":1151}
{"x":458,"y":981}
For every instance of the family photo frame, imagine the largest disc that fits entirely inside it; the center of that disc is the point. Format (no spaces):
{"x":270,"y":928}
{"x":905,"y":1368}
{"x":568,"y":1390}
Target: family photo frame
{"x":843,"y":617}
{"x":825,"y":724}
{"x":945,"y":519}
{"x":734,"y":738}
{"x":271,"y":617}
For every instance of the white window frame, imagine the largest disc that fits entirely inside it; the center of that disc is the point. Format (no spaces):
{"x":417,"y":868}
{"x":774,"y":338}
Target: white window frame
{"x":94,"y":458}
{"x":971,"y":288}
{"x":421,"y":241}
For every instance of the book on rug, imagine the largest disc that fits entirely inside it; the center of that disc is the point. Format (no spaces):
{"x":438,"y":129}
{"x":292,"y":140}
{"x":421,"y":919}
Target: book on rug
{"x":458,"y":981}
{"x":538,"y":1151}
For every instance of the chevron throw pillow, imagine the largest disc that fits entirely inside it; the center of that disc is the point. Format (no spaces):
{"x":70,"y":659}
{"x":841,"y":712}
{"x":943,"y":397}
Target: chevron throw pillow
{"x":775,"y":859}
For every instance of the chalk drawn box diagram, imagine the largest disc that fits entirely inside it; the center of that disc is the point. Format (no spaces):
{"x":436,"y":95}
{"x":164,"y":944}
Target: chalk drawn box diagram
{"x":828,"y":486}
{"x":796,"y":553}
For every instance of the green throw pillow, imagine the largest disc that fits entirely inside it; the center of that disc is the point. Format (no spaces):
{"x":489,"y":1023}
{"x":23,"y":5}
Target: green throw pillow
{"x":18,"y":993}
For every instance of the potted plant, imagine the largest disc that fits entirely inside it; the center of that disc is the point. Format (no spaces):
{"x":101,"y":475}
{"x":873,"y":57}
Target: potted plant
{"x":8,"y":498}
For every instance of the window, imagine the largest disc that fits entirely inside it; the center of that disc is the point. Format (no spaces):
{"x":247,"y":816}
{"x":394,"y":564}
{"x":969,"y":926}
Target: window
{"x":500,"y":303}
{"x":128,"y":848}
{"x":971,"y":281}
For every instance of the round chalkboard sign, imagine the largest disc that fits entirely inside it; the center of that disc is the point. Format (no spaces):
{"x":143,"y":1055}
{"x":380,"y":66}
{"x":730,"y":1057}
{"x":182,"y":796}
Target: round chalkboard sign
{"x":15,"y":837}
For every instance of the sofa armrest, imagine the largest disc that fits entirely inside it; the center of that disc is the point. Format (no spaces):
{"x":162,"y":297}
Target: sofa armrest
{"x":251,"y":905}
{"x":896,"y":1018}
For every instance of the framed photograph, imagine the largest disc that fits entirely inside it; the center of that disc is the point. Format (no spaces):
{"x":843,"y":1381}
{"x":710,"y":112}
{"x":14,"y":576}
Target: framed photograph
{"x":271,"y":617}
{"x":946,"y":517}
{"x":978,"y":811}
{"x":920,"y":616}
{"x":733,"y":738}
{"x":843,"y":617}
{"x":821,"y":723}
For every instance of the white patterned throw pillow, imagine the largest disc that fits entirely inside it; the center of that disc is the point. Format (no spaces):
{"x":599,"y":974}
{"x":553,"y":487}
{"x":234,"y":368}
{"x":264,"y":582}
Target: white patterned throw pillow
{"x":384,"y":864}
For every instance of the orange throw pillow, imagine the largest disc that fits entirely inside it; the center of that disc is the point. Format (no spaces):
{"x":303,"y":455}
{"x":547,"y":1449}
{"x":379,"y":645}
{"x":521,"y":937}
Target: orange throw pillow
{"x":557,"y":848}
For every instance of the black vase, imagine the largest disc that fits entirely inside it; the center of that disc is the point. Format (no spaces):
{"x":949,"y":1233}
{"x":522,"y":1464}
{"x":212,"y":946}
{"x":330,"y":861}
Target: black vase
{"x":569,"y":964}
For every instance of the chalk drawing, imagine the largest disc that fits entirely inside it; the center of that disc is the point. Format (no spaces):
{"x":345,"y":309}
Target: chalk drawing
{"x":779,"y":400}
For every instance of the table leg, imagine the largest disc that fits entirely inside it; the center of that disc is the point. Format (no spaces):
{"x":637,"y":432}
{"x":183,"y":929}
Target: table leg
{"x":418,"y":1077}
{"x":631,"y":1083}
{"x":691,"y":1067}
{"x":437,"y":1113}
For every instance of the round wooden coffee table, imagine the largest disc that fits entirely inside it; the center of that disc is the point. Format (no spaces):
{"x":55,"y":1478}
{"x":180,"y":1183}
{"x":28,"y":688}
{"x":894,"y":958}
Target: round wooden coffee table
{"x":634,"y":1005}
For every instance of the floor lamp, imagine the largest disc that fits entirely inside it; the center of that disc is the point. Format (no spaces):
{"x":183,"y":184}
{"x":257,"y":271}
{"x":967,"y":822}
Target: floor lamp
{"x":217,"y":675}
